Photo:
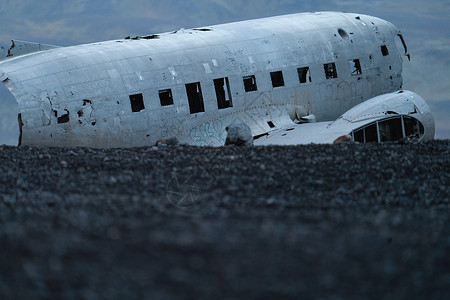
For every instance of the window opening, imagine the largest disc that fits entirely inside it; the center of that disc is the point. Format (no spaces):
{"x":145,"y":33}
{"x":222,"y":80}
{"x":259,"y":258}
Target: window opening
{"x":355,"y":67}
{"x":137,"y":102}
{"x":304,"y":74}
{"x":371,"y":133}
{"x":165,"y":97}
{"x":250,"y":83}
{"x":358,"y":136}
{"x":391,"y":130}
{"x":277,"y":79}
{"x":195,"y":98}
{"x":330,"y":70}
{"x":223,"y":93}
{"x":384,"y":50}
{"x":413,"y":128}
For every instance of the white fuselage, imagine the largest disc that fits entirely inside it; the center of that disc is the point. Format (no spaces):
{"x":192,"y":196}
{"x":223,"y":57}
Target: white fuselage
{"x":191,"y":84}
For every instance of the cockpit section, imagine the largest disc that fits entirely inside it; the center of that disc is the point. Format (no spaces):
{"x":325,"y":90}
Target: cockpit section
{"x":389,"y":130}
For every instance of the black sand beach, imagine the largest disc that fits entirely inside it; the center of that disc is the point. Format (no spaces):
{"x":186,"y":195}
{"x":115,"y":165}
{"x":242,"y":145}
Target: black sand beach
{"x":318,"y":221}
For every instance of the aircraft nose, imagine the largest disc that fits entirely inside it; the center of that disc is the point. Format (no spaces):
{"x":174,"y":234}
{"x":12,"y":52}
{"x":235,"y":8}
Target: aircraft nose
{"x":426,"y":117}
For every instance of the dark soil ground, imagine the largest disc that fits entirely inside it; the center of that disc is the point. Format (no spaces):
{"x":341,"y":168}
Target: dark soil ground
{"x":317,"y":221}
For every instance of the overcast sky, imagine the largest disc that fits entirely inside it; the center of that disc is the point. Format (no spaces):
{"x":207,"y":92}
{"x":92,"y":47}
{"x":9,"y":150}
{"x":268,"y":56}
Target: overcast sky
{"x":425,"y":26}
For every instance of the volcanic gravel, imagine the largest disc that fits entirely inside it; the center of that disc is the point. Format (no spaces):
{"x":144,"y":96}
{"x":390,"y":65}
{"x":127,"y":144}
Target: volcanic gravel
{"x":181,"y":222}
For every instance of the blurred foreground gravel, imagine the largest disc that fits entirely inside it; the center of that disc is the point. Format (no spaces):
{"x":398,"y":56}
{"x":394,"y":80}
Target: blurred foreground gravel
{"x":317,"y":221}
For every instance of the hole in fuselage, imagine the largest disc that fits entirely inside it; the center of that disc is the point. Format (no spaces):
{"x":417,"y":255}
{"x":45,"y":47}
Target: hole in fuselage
{"x":343,"y":33}
{"x":9,"y":124}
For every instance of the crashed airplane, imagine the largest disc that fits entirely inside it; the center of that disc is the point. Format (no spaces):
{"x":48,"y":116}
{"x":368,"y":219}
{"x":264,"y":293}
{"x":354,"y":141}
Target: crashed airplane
{"x":295,"y":79}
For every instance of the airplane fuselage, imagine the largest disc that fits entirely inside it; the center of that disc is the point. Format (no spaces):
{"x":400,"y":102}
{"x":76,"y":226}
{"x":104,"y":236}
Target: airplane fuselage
{"x":191,"y":84}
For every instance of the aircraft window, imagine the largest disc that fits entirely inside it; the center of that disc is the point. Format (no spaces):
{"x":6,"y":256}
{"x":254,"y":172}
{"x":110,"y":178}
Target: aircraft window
{"x":223,"y":93}
{"x":358,"y":136}
{"x":250,"y":83}
{"x":165,"y":96}
{"x":330,"y":70}
{"x":137,"y":102}
{"x":391,"y":130}
{"x":413,"y":128}
{"x":194,"y":93}
{"x":304,"y":75}
{"x":355,"y":67}
{"x":371,"y":133}
{"x":277,"y":79}
{"x":384,"y":50}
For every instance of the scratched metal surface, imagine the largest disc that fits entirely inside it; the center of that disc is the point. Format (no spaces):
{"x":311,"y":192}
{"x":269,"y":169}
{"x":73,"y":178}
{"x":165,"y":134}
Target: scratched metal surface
{"x":51,"y":84}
